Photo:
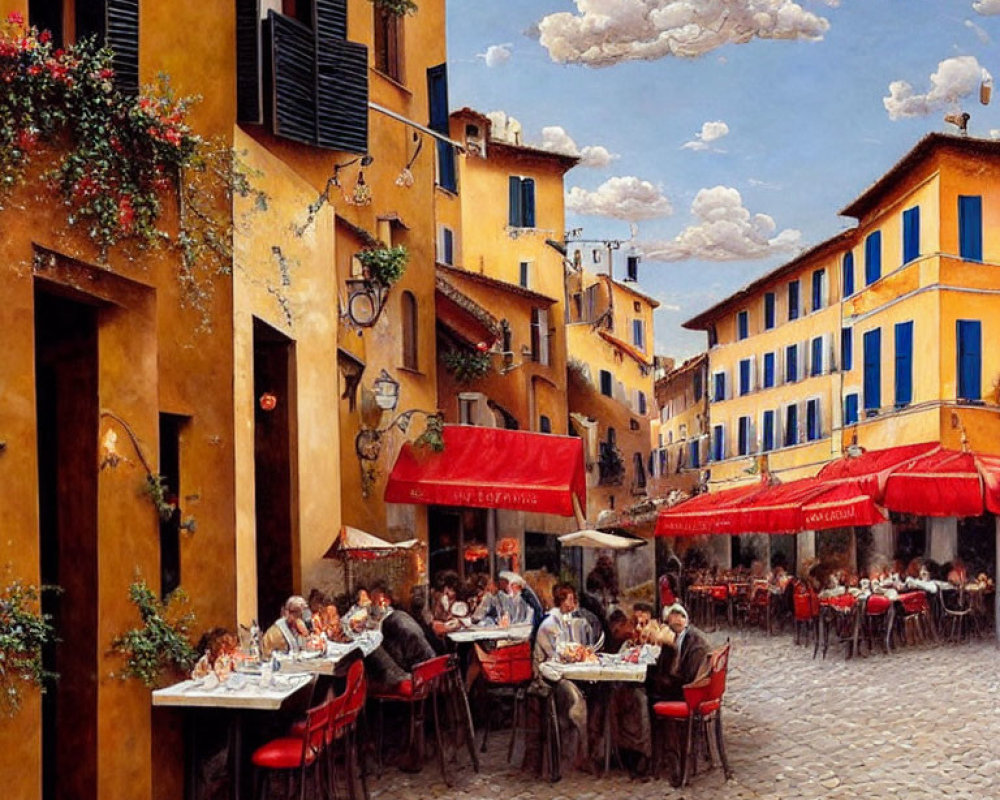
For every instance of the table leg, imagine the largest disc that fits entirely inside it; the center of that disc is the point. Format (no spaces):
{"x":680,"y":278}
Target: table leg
{"x":191,"y":771}
{"x":607,"y":728}
{"x":236,"y":756}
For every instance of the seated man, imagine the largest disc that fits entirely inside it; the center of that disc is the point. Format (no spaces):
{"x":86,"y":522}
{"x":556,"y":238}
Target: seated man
{"x":683,"y":656}
{"x":517,"y":603}
{"x":646,"y":628}
{"x":289,"y":632}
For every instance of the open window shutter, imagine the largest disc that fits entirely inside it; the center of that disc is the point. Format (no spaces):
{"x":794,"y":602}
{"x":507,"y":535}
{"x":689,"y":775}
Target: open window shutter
{"x":753,"y":374}
{"x":329,"y":19}
{"x":249,"y":92}
{"x":528,"y":202}
{"x":437,"y":99}
{"x":293,"y":63}
{"x":803,"y":360}
{"x":829,"y":356}
{"x":970,"y":227}
{"x":122,"y":28}
{"x":514,"y":204}
{"x":969,"y":359}
{"x":543,"y":336}
{"x":341,"y":94}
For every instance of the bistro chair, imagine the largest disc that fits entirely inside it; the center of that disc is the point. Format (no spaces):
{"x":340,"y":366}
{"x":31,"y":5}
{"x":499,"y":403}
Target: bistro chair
{"x":878,"y":613}
{"x":297,"y":753}
{"x":506,"y":670}
{"x":956,"y":613}
{"x":701,"y":706}
{"x":916,"y":619}
{"x":805,"y":606}
{"x":344,"y":729}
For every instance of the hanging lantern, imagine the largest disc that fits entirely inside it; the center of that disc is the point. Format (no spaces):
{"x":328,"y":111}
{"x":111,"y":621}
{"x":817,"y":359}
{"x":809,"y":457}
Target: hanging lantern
{"x":268,"y":401}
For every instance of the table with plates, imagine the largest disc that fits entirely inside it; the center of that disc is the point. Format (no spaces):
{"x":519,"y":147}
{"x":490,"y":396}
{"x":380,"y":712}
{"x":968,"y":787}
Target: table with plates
{"x":326,"y":662}
{"x":491,"y":633}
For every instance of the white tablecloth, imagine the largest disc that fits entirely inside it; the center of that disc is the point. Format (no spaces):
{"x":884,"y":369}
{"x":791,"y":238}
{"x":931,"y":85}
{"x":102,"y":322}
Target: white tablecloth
{"x":517,"y":633}
{"x":249,"y":695}
{"x":335,"y":652}
{"x":598,"y":671}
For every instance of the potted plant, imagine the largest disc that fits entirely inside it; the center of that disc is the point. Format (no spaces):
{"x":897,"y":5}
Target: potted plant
{"x":397,"y":8}
{"x":24,"y":632}
{"x":160,"y":646}
{"x":467,"y":366}
{"x":383,"y":266}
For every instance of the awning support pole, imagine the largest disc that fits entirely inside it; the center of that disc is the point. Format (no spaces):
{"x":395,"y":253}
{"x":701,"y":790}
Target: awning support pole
{"x":581,"y":518}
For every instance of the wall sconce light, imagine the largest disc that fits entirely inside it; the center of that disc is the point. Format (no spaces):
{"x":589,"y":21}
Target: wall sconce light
{"x":386,"y":390}
{"x":366,"y":161}
{"x":405,"y":177}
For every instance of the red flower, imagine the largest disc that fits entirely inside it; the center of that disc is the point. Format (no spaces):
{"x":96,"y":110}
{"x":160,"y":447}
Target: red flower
{"x":126,"y":213}
{"x":107,"y":73}
{"x":45,"y":37}
{"x":482,"y":347}
{"x":27,"y":139}
{"x":15,"y":18}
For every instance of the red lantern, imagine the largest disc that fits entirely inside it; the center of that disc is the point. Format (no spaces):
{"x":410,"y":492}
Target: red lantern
{"x":268,"y":402}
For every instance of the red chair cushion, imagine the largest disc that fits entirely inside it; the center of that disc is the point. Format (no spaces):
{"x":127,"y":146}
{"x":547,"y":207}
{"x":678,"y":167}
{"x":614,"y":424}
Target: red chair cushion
{"x":878,"y":604}
{"x":914,"y":602}
{"x":283,"y":753}
{"x":676,"y":709}
{"x":720,"y":592}
{"x":709,"y":706}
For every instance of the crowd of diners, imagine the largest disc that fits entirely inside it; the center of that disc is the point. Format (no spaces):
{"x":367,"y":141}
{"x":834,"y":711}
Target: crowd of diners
{"x":556,"y":613}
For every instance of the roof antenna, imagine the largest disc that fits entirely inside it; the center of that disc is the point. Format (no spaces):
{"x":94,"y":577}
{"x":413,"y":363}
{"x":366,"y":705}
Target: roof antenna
{"x":961,"y":121}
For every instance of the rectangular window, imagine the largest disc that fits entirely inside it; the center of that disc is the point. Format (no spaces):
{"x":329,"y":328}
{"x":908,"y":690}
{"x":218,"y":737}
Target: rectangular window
{"x":818,"y":289}
{"x":873,"y":258}
{"x":970,"y":227}
{"x":744,"y":436}
{"x":768,"y":311}
{"x":720,"y":387}
{"x":970,"y":351}
{"x":437,"y":99}
{"x":713,"y":336}
{"x":848,"y":277}
{"x":768,"y":433}
{"x":642,"y":402}
{"x":743,"y":325}
{"x":745,"y":373}
{"x":873,"y":371}
{"x":521,"y":202}
{"x":768,"y":370}
{"x":816,"y":356}
{"x":446,"y":247}
{"x":911,"y":234}
{"x":851,"y":409}
{"x":389,"y":44}
{"x":697,"y":386}
{"x":606,"y":385}
{"x":846,"y":349}
{"x":540,"y":336}
{"x":718,"y":443}
{"x":904,"y":364}
{"x":814,"y":425}
{"x":524,"y":274}
{"x":694,"y":455}
{"x":791,"y":363}
{"x":791,"y":425}
{"x":793,"y":300}
{"x":639,"y":333}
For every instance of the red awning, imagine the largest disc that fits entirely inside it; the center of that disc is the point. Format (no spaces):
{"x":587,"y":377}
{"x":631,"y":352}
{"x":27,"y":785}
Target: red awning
{"x":703,"y":513}
{"x":493,"y":468}
{"x":871,"y":469}
{"x":946,"y":483}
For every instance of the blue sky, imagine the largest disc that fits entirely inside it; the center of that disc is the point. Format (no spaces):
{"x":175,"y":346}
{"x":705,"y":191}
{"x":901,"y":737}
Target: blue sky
{"x":798,"y":126}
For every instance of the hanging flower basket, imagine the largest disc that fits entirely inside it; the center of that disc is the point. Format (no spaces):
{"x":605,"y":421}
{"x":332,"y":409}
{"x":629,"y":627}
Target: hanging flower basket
{"x":476,"y":552}
{"x":383,"y":266}
{"x":467,"y":366}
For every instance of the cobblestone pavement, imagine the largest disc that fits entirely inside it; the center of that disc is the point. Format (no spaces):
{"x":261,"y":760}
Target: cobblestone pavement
{"x":919,"y":724}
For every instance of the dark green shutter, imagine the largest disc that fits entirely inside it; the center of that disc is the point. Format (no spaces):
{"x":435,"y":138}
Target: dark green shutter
{"x":514,"y":201}
{"x":437,"y":101}
{"x":249,"y":99}
{"x":293,"y":66}
{"x":342,"y":95}
{"x":330,"y":19}
{"x":528,"y":202}
{"x":122,"y":36}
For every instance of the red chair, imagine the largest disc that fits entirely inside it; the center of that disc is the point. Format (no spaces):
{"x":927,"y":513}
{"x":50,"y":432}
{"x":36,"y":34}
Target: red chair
{"x":877,"y":620}
{"x":430,"y":680}
{"x":701,"y":705}
{"x":296,"y":753}
{"x":344,"y":729}
{"x":507,"y":669}
{"x":805,"y":606}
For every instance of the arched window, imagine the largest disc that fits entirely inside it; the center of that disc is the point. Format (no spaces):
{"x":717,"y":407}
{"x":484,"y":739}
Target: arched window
{"x":408,"y":316}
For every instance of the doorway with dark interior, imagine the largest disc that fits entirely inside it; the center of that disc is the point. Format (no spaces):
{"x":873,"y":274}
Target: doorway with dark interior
{"x":67,"y":413}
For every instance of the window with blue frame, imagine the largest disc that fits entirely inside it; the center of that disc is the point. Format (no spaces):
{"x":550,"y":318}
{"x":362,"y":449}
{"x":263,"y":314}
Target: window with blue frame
{"x":873,"y":371}
{"x":846,"y":349}
{"x":521,"y":202}
{"x":767,"y":435}
{"x":818,"y":286}
{"x":793,"y":300}
{"x":791,"y":425}
{"x":816,"y":356}
{"x":694,"y":456}
{"x":718,"y":443}
{"x":904,"y":364}
{"x":873,"y":258}
{"x":744,"y":436}
{"x":847,"y":266}
{"x":719,"y":393}
{"x":791,"y":363}
{"x":742,"y":325}
{"x":745,"y":370}
{"x":851,"y":409}
{"x":970,"y":227}
{"x":911,"y":234}
{"x":769,"y":308}
{"x":814,"y":427}
{"x":768,"y":370}
{"x":970,"y":359}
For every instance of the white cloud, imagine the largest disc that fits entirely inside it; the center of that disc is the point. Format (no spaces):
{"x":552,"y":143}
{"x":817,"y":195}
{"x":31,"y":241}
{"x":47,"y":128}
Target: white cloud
{"x":710,"y":132}
{"x":955,"y":78}
{"x":669,"y":307}
{"x":496,"y":54}
{"x":724,"y":231}
{"x":987,"y":7}
{"x":995,"y":133}
{"x":626,"y":198}
{"x":556,"y":140}
{"x":606,"y":32}
{"x":981,"y":34}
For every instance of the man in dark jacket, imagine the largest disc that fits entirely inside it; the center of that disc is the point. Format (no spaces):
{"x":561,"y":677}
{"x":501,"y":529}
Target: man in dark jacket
{"x":683,"y":655}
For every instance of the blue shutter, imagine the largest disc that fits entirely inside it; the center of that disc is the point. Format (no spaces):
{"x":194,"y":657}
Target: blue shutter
{"x":449,"y":245}
{"x":743,"y":324}
{"x":528,"y":202}
{"x":718,"y":443}
{"x":846,"y":349}
{"x":791,"y":425}
{"x":970,"y":227}
{"x":768,"y":370}
{"x":812,"y":420}
{"x":745,"y":376}
{"x":873,"y":258}
{"x":850,"y":409}
{"x":793,"y":300}
{"x":768,"y":443}
{"x":904,"y":364}
{"x":693,"y":448}
{"x":697,"y":386}
{"x":437,"y":100}
{"x":817,"y":289}
{"x":911,"y":234}
{"x":970,"y":370}
{"x":791,"y":363}
{"x":816,"y":360}
{"x":768,"y":311}
{"x":720,"y":386}
{"x":873,"y":370}
{"x":514,"y":201}
{"x":848,"y":268}
{"x":744,"y":436}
